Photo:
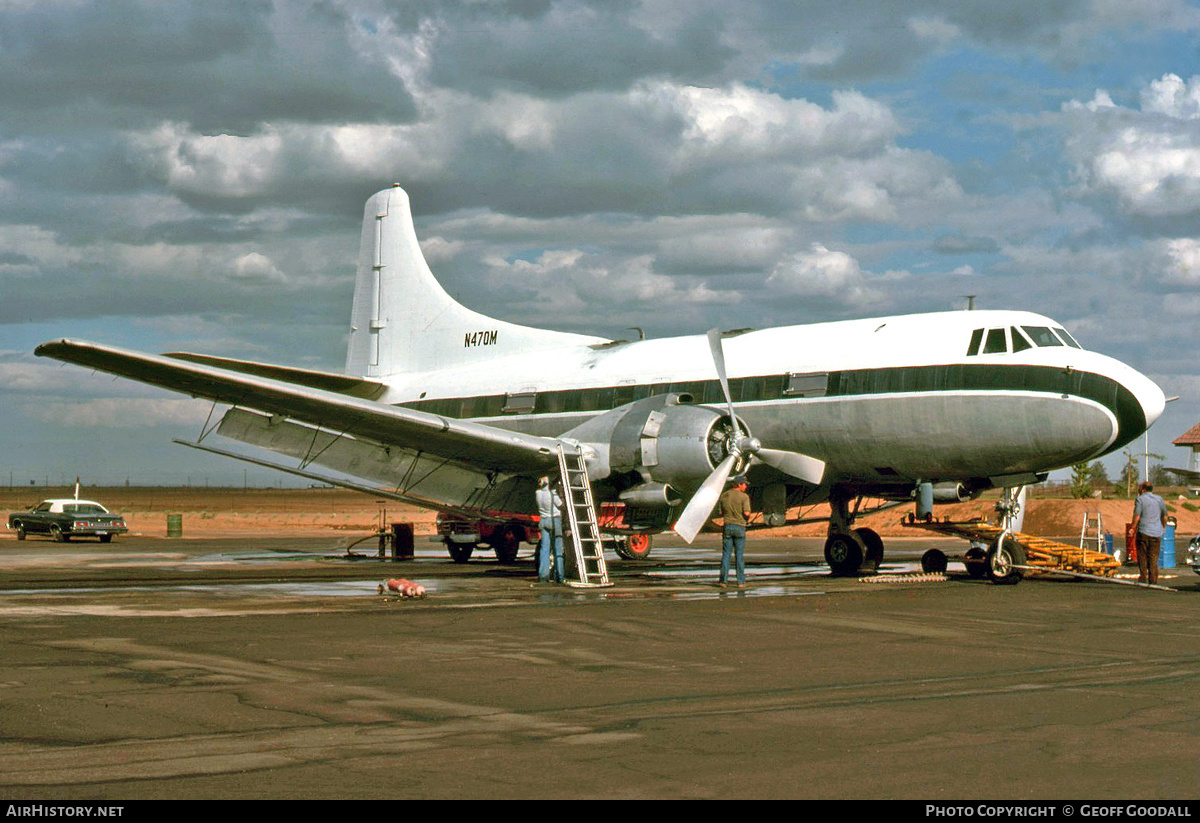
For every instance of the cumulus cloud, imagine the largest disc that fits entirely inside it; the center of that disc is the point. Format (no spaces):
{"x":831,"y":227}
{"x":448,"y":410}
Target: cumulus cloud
{"x":571,"y":282}
{"x":255,"y":267}
{"x":1181,"y":262}
{"x":1148,"y":158}
{"x":586,"y":165}
{"x":820,"y":272}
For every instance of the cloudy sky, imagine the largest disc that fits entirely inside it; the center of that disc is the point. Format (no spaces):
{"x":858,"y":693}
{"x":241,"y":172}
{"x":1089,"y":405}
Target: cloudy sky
{"x":191,"y":175}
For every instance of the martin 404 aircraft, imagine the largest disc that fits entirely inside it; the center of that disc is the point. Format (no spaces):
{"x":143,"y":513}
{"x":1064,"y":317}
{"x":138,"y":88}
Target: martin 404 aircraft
{"x":450,"y":409}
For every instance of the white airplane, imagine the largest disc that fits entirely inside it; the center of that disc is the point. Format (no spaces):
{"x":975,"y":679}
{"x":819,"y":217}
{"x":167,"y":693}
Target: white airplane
{"x":448,"y":408}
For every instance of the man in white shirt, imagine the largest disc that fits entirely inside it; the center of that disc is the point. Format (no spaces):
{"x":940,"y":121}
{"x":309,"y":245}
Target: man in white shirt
{"x":549,"y":504}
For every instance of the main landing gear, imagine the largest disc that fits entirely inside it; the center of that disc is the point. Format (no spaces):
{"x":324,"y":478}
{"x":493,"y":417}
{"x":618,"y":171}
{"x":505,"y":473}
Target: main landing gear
{"x":850,"y":551}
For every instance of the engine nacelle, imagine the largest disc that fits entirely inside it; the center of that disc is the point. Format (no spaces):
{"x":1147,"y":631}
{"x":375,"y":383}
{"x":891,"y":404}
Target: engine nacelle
{"x":661,"y":444}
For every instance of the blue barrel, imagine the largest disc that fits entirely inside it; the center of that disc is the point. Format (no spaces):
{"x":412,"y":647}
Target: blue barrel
{"x":1166,"y":555}
{"x":1108,"y":544}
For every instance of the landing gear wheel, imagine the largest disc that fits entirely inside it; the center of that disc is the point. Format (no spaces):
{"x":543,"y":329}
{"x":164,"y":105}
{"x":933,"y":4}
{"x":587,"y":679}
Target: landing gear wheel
{"x":874,"y":553}
{"x":976,"y":562}
{"x":844,"y":553}
{"x":506,"y":544}
{"x":56,"y":533}
{"x":20,"y":531}
{"x":106,"y":538}
{"x":460,"y":552}
{"x":934,"y":561}
{"x":635,"y":547}
{"x":1004,"y":554}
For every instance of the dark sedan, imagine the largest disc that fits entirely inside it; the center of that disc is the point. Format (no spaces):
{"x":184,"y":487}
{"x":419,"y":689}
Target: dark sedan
{"x":67,"y":518}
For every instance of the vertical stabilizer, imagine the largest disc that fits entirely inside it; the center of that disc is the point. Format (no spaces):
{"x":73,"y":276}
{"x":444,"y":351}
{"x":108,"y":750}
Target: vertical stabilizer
{"x":404,"y":321}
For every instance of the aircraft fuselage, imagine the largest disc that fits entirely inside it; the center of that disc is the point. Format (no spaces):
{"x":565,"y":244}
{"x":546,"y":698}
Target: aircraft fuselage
{"x":885,"y":400}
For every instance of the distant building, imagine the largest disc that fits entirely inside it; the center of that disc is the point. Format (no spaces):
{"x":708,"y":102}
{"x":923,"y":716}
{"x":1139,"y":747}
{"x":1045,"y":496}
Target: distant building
{"x":1191,"y":439}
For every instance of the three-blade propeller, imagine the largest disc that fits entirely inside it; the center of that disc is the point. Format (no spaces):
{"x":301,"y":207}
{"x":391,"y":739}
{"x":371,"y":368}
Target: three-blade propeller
{"x":741,"y":448}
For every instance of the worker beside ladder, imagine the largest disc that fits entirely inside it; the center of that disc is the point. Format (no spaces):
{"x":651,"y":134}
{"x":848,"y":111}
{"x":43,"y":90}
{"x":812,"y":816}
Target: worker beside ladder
{"x":550,"y":532}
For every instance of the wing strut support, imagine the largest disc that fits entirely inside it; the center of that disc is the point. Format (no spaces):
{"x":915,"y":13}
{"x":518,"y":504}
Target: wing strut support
{"x":310,"y":458}
{"x":205,"y":429}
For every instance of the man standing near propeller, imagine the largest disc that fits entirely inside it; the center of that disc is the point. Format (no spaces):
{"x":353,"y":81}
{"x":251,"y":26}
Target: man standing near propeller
{"x":734,"y":507}
{"x":741,"y":448}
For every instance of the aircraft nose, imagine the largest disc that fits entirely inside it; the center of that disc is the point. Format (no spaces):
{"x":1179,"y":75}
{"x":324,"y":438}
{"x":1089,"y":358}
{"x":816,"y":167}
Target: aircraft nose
{"x":1150,"y":397}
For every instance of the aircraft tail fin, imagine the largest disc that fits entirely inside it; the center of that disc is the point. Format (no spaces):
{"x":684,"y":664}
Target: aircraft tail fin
{"x":404,"y":321}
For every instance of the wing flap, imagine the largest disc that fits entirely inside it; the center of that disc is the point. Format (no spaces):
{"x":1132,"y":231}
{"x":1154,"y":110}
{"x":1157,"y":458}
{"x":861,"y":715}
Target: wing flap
{"x":479,"y":445}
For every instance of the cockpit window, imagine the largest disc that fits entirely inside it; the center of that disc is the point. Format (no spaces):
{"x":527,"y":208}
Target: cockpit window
{"x":976,"y":339}
{"x":1042,"y":336}
{"x":1018,"y":338}
{"x":996,"y":342}
{"x":1067,"y":338}
{"x":1019,"y":341}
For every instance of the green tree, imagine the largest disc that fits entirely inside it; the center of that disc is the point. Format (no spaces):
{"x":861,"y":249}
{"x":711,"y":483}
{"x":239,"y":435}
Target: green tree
{"x":1128,"y":478}
{"x":1081,"y":480}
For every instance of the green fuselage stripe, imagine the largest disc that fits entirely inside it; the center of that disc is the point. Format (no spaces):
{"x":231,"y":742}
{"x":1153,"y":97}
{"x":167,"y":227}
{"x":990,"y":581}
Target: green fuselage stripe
{"x":954,"y":377}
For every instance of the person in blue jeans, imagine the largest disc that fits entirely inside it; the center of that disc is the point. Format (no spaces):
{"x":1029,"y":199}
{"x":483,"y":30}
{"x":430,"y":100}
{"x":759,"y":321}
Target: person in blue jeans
{"x":549,"y":505}
{"x":1149,"y":523}
{"x":734,"y":507}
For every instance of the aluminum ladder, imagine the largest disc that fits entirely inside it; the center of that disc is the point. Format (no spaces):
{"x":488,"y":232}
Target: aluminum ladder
{"x":1092,"y":520}
{"x":582,"y":521}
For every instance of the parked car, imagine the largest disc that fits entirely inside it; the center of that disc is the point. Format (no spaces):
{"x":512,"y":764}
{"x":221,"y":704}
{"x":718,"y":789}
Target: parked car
{"x":67,"y":518}
{"x":1193,"y":554}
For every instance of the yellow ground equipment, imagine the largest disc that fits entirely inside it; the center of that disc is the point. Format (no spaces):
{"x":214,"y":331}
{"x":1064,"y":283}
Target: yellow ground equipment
{"x":1040,"y":553}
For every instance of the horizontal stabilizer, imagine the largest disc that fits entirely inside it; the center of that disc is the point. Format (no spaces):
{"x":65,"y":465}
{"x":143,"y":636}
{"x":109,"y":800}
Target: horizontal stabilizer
{"x":326,"y":381}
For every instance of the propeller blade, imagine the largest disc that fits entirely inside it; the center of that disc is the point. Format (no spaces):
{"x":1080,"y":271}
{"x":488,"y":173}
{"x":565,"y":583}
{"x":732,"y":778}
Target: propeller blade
{"x":808,"y":469}
{"x":718,"y":353}
{"x":801,"y":466}
{"x":696,"y":513}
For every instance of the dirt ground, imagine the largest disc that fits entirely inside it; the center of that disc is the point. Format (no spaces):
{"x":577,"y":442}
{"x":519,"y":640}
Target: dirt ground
{"x":226,"y":512}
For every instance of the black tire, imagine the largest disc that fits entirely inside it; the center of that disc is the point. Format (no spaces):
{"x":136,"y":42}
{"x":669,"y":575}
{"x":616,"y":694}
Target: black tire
{"x":56,"y":533}
{"x":460,"y":552}
{"x":844,"y":553}
{"x":106,"y":538}
{"x":20,"y":527}
{"x":1003,"y":555}
{"x":634,"y":547}
{"x":506,"y":543}
{"x":934,"y":561}
{"x":976,"y":563}
{"x":873,"y":555}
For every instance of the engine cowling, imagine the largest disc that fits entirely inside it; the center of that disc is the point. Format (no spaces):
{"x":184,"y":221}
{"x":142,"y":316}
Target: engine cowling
{"x":662,"y":444}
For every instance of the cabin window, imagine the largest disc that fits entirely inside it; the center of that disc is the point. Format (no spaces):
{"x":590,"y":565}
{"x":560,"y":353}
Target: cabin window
{"x":1042,"y":336}
{"x":812,"y":384}
{"x":520,"y":402}
{"x":1019,"y":341}
{"x":752,"y":388}
{"x":996,"y":342}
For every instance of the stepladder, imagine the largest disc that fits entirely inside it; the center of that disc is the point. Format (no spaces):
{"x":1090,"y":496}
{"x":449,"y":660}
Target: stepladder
{"x":581,"y":521}
{"x":1092,"y":532}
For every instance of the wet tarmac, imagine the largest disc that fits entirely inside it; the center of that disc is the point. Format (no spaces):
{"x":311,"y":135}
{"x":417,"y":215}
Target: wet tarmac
{"x":272,"y":668}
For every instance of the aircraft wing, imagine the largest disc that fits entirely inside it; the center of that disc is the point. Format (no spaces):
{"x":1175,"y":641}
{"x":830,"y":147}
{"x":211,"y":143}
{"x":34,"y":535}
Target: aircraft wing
{"x":484,"y":447}
{"x":1186,"y":474}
